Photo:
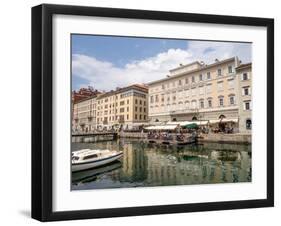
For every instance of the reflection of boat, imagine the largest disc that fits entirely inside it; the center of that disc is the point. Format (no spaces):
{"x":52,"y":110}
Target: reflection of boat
{"x":87,"y":158}
{"x":90,"y":174}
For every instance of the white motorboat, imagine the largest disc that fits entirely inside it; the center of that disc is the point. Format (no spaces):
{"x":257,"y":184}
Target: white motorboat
{"x":87,"y":158}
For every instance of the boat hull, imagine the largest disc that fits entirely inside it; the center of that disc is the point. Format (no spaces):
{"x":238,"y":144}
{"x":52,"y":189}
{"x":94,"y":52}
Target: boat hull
{"x":89,"y":175}
{"x":84,"y":166}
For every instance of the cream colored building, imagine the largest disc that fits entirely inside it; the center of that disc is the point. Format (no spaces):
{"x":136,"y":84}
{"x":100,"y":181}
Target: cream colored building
{"x":244,"y":74}
{"x":84,"y":115}
{"x":196,"y":91}
{"x":125,"y":107}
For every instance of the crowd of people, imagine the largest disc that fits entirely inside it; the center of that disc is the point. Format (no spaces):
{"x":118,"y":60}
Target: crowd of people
{"x":169,"y":135}
{"x":219,"y":128}
{"x":223,"y":128}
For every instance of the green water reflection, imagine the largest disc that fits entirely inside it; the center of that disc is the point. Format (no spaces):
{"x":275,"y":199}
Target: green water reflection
{"x":146,"y":164}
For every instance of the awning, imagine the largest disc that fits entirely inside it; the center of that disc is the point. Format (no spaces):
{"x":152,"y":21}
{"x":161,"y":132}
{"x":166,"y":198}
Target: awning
{"x":181,"y":123}
{"x":163,"y":127}
{"x":213,"y":121}
{"x":230,"y":120}
{"x":173,"y":123}
{"x":191,"y":126}
{"x":185,"y":123}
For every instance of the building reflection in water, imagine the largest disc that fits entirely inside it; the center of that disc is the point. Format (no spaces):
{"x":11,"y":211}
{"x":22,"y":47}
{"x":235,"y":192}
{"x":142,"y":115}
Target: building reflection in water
{"x":151,"y":165}
{"x":134,"y":164}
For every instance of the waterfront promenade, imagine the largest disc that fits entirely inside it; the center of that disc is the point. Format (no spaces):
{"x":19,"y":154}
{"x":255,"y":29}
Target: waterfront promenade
{"x":234,"y":138}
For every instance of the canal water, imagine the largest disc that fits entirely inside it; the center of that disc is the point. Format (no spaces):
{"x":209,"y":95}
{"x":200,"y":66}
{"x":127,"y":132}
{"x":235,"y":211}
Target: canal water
{"x":145,"y":164}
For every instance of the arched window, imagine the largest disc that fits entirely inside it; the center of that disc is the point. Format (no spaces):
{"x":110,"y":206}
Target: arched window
{"x":248,"y":124}
{"x":174,"y":120}
{"x":222,"y":117}
{"x":194,"y":118}
{"x":157,"y":120}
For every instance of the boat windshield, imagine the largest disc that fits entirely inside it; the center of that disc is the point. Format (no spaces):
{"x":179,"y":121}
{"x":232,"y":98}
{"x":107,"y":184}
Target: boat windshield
{"x":90,"y":156}
{"x":75,"y":158}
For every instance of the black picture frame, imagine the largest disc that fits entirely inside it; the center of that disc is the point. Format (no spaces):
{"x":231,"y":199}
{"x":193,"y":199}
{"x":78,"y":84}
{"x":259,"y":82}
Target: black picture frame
{"x":42,"y":107}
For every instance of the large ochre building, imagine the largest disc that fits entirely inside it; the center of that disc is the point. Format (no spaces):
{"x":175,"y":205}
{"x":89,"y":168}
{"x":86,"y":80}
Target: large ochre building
{"x":198,"y":91}
{"x":125,"y":107}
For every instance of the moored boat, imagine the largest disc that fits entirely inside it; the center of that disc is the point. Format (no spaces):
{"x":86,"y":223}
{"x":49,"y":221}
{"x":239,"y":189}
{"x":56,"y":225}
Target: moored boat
{"x":87,"y":158}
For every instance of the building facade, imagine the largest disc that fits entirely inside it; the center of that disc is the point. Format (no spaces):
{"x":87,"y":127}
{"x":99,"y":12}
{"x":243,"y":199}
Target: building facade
{"x":125,"y":107}
{"x":197,"y":91}
{"x":84,"y":115}
{"x":244,"y":74}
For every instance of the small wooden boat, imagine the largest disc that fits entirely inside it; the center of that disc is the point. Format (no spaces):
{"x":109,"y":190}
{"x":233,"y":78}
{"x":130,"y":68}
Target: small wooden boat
{"x":87,"y":158}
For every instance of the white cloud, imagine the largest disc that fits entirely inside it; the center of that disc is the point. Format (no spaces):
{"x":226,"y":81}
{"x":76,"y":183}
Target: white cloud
{"x":106,"y":76}
{"x":209,"y":51}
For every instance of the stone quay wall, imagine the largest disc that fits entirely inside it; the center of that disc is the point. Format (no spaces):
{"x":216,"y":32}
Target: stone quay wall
{"x":236,"y":138}
{"x":138,"y":135}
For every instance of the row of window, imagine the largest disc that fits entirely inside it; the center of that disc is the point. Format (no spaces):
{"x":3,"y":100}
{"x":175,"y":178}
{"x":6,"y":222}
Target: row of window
{"x":246,"y":104}
{"x":120,"y":118}
{"x":194,"y":91}
{"x":123,"y":95}
{"x":169,"y":98}
{"x":221,"y":102}
{"x":121,"y":110}
{"x":201,"y":77}
{"x":122,"y":103}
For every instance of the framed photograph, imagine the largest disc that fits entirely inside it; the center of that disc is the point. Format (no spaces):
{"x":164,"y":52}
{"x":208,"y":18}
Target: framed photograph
{"x":145,"y":112}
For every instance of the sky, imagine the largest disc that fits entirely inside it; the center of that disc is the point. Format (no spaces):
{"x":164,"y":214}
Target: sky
{"x":107,"y":62}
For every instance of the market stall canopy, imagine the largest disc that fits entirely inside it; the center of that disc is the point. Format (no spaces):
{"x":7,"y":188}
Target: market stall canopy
{"x":162,"y":127}
{"x":191,"y":126}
